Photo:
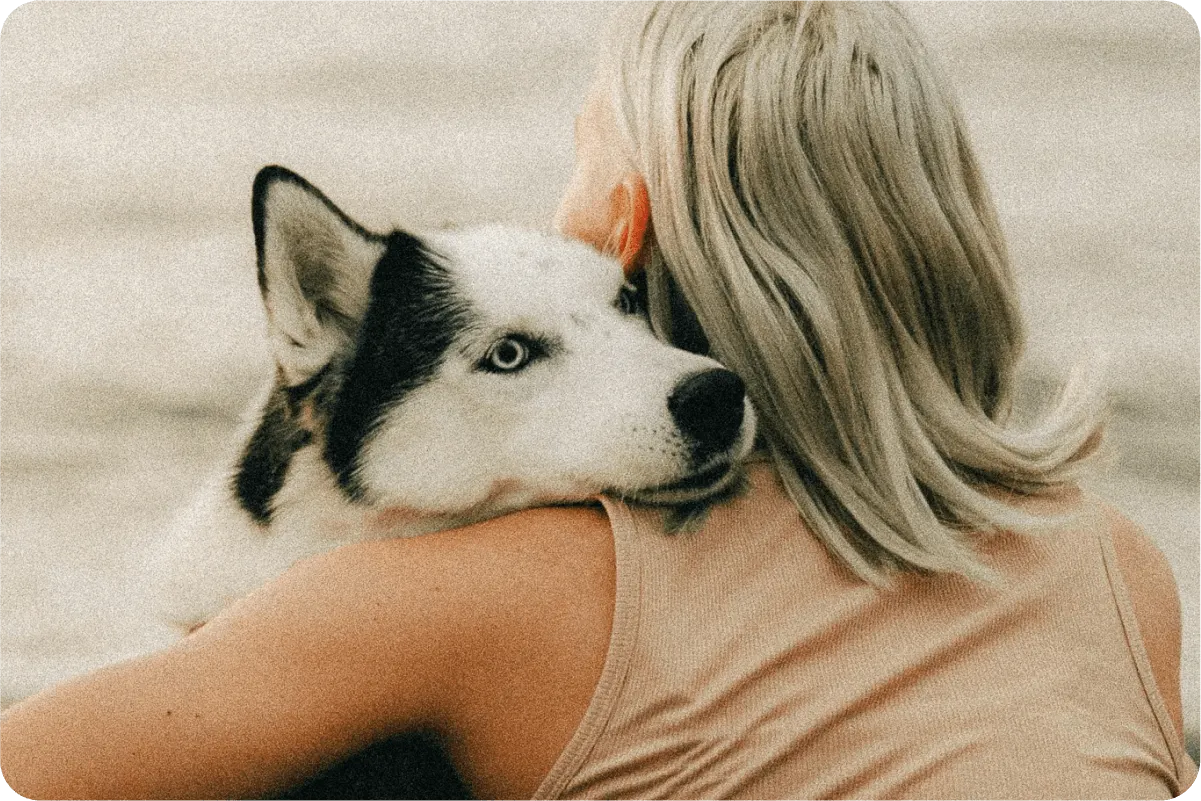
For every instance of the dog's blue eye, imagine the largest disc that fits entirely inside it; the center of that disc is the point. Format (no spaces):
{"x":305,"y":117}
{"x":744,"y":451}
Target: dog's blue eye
{"x":628,"y":300}
{"x":507,"y":355}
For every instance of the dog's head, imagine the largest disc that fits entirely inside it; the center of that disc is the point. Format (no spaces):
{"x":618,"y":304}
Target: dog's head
{"x":470,"y":372}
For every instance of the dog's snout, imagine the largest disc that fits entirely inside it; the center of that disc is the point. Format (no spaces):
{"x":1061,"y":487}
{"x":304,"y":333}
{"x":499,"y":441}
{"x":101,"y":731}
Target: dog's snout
{"x":707,"y":408}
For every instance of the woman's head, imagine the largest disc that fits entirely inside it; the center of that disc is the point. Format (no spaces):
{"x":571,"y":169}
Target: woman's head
{"x":814,"y":199}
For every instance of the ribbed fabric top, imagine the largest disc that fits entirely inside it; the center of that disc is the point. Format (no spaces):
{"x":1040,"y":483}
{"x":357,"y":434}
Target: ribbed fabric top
{"x":745,"y":663}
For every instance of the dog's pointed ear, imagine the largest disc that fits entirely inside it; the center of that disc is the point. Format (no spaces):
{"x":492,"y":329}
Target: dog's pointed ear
{"x":315,"y":266}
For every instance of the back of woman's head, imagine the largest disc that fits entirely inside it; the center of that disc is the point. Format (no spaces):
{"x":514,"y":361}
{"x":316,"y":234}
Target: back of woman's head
{"x":815,"y":201}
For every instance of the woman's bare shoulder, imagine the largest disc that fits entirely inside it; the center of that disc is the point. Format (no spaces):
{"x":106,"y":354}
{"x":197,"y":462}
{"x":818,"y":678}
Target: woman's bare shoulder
{"x":524,"y":570}
{"x":532,"y":545}
{"x":1153,"y":594}
{"x":516,"y":554}
{"x":1146,"y":574}
{"x":508,"y":620}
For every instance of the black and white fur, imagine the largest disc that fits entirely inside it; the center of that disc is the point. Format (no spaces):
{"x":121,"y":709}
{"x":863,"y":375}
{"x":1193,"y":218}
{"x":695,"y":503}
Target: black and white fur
{"x":424,"y":383}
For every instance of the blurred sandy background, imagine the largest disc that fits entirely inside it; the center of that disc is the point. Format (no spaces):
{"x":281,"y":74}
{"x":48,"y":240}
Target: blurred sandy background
{"x":130,"y":330}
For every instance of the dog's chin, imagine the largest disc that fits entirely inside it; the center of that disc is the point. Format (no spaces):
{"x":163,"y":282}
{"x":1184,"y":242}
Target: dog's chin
{"x":711,"y":482}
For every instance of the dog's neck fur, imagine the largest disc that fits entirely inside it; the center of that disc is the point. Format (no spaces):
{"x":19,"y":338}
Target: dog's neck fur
{"x":221,"y":548}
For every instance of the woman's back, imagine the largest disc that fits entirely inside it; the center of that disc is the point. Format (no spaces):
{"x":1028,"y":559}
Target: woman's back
{"x":746,"y":662}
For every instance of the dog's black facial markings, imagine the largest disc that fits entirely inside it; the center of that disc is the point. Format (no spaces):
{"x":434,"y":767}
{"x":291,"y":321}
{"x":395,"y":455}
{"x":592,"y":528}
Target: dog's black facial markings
{"x":412,"y":319}
{"x":268,"y":453}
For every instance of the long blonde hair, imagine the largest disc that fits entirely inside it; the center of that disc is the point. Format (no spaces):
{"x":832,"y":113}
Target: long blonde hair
{"x":816,"y":204}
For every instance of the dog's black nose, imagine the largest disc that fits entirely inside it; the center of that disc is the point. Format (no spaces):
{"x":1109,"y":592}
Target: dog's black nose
{"x":707,"y":408}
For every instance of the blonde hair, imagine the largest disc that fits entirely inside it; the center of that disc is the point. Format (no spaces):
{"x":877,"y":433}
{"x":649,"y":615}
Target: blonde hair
{"x":816,"y":203}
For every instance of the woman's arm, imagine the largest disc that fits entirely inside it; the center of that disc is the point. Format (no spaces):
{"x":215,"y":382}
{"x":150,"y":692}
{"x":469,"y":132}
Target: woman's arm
{"x":346,"y":648}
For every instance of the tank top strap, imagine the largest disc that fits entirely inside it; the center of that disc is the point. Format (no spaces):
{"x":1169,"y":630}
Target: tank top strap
{"x":1185,"y":771}
{"x":622,"y":639}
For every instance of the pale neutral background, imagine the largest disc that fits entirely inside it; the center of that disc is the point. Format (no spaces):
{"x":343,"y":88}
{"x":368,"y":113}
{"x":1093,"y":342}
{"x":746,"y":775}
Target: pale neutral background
{"x":130,"y":332}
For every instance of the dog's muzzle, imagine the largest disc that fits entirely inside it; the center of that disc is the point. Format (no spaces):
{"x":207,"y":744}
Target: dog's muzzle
{"x":708,"y":410}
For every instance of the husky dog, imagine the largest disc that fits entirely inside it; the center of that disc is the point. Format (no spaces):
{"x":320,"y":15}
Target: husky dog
{"x":427,"y":382}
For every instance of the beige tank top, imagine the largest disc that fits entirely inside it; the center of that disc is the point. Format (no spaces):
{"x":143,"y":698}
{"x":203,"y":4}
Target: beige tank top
{"x":745,"y":663}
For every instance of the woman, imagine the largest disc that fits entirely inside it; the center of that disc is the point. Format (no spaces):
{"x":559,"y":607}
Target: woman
{"x":795,"y":186}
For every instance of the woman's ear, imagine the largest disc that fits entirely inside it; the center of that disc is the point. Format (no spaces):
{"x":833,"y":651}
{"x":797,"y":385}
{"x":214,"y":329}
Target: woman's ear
{"x":633,"y":209}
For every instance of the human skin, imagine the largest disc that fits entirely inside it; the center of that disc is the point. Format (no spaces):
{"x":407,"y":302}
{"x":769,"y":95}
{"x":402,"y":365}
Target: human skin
{"x":605,"y":202}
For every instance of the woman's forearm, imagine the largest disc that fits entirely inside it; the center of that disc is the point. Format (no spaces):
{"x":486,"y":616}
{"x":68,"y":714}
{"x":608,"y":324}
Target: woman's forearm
{"x":140,"y":730}
{"x":113,"y":734}
{"x":261,"y":698}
